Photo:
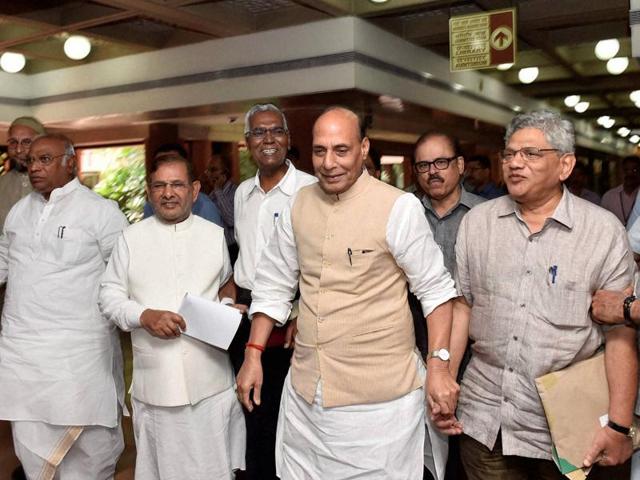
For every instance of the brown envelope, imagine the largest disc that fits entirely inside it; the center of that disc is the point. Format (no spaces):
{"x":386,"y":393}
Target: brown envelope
{"x":574,"y":399}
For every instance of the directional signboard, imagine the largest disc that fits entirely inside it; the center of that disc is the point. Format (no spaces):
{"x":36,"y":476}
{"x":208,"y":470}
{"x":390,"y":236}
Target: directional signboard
{"x":482,"y":40}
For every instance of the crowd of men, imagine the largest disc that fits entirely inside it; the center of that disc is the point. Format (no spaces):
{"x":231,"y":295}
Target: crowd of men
{"x":385,"y":334}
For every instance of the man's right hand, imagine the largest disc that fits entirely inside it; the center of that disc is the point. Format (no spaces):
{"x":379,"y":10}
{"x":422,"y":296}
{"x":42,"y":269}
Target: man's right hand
{"x":162,"y":323}
{"x":250,"y":378}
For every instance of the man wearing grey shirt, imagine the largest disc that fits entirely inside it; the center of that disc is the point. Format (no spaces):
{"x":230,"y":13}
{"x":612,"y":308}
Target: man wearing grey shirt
{"x":527,"y":265}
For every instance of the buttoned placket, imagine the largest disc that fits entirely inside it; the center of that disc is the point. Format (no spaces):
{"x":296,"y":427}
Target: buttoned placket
{"x":39,"y":238}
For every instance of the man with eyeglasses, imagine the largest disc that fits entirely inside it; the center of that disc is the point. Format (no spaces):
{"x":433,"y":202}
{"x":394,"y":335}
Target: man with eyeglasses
{"x":527,"y":266}
{"x":258,"y":204}
{"x":60,"y":360}
{"x":439,"y":167}
{"x":15,"y":183}
{"x":187,"y":420}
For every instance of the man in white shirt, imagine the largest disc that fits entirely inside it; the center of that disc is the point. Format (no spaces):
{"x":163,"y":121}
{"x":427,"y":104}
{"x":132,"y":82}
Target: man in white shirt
{"x":187,"y":421}
{"x":259,"y":202}
{"x":60,"y":361}
{"x":353,"y":403}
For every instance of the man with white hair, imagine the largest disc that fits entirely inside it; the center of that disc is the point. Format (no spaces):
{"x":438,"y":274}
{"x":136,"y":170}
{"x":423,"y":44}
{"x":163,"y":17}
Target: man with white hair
{"x":60,"y":361}
{"x":527,"y":266}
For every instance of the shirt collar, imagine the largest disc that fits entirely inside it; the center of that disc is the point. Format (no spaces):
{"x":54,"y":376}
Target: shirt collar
{"x":63,"y":191}
{"x":563,"y":213}
{"x":176,"y":227}
{"x":360,"y":185}
{"x":465,"y":199}
{"x":287,"y":184}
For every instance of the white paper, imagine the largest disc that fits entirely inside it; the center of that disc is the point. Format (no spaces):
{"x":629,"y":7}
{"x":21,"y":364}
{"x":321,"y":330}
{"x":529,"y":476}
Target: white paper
{"x":209,"y":321}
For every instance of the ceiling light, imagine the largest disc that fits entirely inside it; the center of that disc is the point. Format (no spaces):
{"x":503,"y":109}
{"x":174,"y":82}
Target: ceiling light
{"x":77,"y":47}
{"x":581,"y":107}
{"x":383,"y":1}
{"x":635,"y":96}
{"x":528,"y":74}
{"x":617,"y":65}
{"x":504,"y":66}
{"x":609,"y":123}
{"x":637,"y":104}
{"x":603,"y":119}
{"x":12,"y":62}
{"x":623,"y":131}
{"x":606,"y":49}
{"x":571,"y":100}
{"x":634,"y":139}
{"x":457,"y":87}
{"x":427,"y":75}
{"x":517,"y":108}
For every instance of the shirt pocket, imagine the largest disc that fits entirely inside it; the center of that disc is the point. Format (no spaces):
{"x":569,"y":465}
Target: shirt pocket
{"x":68,"y":246}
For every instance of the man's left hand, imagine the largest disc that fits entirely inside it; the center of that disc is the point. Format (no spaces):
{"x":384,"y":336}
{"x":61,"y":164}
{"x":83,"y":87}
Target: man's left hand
{"x":609,"y":448}
{"x":606,"y":305}
{"x":442,"y":390}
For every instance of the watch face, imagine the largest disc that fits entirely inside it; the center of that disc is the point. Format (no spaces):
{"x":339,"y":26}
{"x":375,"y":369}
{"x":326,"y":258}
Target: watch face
{"x":443,"y":354}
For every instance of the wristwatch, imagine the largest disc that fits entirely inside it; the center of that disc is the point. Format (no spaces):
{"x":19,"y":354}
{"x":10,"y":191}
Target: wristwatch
{"x":442,"y":354}
{"x":626,"y":310}
{"x":631,"y":432}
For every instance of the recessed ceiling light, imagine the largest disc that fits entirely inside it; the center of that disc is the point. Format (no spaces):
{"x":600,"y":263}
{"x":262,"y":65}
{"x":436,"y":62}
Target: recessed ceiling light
{"x":606,"y":49}
{"x":12,"y":62}
{"x":383,"y":1}
{"x":517,"y":108}
{"x":581,"y":107}
{"x":571,"y":100}
{"x":427,"y":75}
{"x":617,"y":65}
{"x":457,"y":87}
{"x":623,"y":131}
{"x":635,"y":96}
{"x":609,"y":123}
{"x":634,"y":139}
{"x":77,"y":47}
{"x":504,"y":66}
{"x":603,"y":119}
{"x":528,"y":74}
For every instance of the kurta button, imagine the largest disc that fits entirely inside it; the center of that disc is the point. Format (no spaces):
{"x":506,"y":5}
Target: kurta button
{"x":515,"y":337}
{"x":510,"y":369}
{"x":528,"y":272}
{"x":522,"y":305}
{"x":320,"y":319}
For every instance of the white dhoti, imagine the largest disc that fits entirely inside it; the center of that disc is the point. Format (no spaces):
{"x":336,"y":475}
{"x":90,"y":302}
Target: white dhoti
{"x":67,"y":453}
{"x":205,"y":441}
{"x":381,"y":441}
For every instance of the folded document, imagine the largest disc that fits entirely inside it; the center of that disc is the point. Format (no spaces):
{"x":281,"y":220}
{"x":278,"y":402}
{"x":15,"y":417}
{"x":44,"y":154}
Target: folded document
{"x":209,"y":321}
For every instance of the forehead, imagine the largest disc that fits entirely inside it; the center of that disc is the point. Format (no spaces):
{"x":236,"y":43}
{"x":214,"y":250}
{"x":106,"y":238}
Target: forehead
{"x":47,"y":145}
{"x":336,"y":127}
{"x":529,"y":137}
{"x":22,"y":131}
{"x":436,"y":146}
{"x":171,"y":171}
{"x":266,"y":118}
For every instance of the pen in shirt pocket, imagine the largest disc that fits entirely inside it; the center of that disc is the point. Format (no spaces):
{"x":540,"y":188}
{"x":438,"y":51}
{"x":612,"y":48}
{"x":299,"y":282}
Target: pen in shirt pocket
{"x":553,"y":272}
{"x":275,"y":217}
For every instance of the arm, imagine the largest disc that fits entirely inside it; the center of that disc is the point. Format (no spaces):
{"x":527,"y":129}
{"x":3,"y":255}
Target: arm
{"x":459,"y":333}
{"x":621,"y":364}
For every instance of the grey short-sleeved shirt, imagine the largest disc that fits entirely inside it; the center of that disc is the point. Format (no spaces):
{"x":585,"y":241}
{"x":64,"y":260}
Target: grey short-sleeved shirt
{"x":530,"y":296}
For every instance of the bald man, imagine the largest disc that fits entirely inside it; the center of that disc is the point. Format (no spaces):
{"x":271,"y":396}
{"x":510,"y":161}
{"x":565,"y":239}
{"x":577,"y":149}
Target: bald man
{"x":353,"y":403}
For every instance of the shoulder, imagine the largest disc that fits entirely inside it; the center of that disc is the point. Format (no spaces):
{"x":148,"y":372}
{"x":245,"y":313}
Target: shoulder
{"x":587,"y":211}
{"x":206,"y":227}
{"x":610,"y":193}
{"x":244,"y":188}
{"x":94,"y":200}
{"x":304,"y":179}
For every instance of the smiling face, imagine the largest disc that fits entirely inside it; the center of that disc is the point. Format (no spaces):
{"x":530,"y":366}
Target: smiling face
{"x":270,"y":150}
{"x":536,"y":180}
{"x":338,"y":152}
{"x":171,"y":192}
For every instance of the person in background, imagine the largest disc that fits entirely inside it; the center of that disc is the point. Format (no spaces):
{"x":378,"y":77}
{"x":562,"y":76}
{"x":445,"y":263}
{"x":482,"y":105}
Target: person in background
{"x":60,"y":360}
{"x":478,"y":178}
{"x":372,"y":163}
{"x":221,"y":192}
{"x":203,"y":206}
{"x":621,"y":200}
{"x":578,"y":182}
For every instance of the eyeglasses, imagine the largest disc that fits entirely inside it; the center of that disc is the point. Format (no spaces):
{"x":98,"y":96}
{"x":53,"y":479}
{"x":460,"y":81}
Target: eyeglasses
{"x":529,"y":154}
{"x":439,"y":163}
{"x":158,"y":187}
{"x":43,"y":160}
{"x":24,"y":143}
{"x":261,"y":132}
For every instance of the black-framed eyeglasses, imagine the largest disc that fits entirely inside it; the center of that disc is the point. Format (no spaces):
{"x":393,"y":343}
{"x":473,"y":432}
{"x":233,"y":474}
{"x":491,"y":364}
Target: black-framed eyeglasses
{"x":24,"y":143}
{"x":439,"y":163}
{"x":260,"y":132}
{"x":43,"y":159}
{"x":529,"y":154}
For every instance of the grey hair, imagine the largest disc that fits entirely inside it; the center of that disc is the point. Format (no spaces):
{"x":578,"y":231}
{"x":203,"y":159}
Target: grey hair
{"x":558,"y":132}
{"x":69,"y":150}
{"x":262,"y":107}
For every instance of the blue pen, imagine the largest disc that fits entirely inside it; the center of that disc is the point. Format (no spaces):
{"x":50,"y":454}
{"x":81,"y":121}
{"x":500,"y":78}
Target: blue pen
{"x":553,"y":270}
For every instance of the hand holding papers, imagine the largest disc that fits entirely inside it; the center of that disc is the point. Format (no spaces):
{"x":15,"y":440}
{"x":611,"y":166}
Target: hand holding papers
{"x":209,"y":321}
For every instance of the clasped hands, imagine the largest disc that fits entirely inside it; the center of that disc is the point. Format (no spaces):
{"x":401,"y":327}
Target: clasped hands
{"x":442,"y":397}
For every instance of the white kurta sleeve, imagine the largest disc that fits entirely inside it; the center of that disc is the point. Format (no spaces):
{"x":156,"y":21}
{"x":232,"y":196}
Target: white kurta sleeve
{"x":412,"y":245}
{"x":112,"y":225}
{"x":114,"y":301}
{"x":277,"y":274}
{"x":227,"y":270}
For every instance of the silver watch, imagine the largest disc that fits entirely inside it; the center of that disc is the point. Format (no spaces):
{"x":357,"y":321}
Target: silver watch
{"x":442,"y":353}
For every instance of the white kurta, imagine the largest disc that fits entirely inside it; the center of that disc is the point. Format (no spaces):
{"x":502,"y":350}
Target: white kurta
{"x":60,"y":360}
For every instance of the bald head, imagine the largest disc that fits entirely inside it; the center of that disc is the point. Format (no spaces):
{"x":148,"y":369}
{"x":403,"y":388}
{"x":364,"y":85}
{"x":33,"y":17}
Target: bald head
{"x":338,"y":149}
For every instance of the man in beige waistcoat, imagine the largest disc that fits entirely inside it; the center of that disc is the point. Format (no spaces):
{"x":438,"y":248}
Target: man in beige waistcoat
{"x":353,"y":403}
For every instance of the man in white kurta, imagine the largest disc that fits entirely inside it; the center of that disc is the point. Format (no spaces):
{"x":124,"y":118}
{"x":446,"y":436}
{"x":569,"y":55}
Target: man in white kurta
{"x":353,"y":403}
{"x":60,"y":361}
{"x":187,"y":421}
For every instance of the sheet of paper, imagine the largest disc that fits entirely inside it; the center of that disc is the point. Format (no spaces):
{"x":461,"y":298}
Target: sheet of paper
{"x":209,"y":321}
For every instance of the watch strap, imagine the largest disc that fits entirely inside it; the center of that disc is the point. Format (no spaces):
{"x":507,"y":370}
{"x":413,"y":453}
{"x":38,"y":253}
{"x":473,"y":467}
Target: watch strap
{"x":626,"y":310}
{"x":618,"y":428}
